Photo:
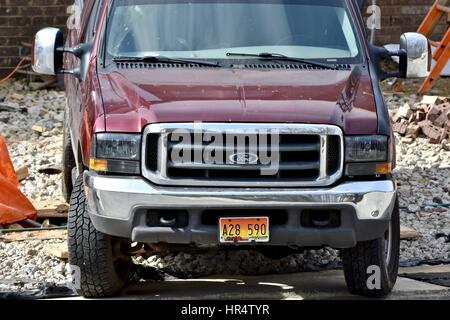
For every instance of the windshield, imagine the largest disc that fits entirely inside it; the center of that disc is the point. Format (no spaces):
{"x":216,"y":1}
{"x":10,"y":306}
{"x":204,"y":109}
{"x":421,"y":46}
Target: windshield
{"x":209,"y":29}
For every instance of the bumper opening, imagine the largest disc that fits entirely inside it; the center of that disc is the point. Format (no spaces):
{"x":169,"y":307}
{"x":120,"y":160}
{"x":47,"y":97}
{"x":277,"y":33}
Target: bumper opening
{"x":168,"y":218}
{"x":321,"y":219}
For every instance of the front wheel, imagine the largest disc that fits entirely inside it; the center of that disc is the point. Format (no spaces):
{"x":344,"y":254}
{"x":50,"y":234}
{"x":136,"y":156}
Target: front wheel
{"x":371,"y":267}
{"x":100,"y":268}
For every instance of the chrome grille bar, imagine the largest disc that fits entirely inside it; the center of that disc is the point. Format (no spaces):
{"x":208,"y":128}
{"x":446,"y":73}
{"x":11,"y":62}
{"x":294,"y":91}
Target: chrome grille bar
{"x":323,"y":157}
{"x":206,"y":166}
{"x":298,"y":147}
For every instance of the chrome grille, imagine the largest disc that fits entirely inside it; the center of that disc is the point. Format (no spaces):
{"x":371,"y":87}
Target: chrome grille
{"x":309,"y":155}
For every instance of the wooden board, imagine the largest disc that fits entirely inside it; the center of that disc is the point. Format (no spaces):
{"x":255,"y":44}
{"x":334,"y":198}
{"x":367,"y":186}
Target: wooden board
{"x":51,"y":214}
{"x":33,"y":235}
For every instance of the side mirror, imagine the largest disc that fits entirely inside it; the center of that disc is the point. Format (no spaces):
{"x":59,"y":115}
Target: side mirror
{"x":46,"y":59}
{"x":48,"y":51}
{"x":414,"y":57}
{"x":416,"y":62}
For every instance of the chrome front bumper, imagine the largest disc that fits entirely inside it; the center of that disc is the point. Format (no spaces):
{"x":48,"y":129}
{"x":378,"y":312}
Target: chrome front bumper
{"x":114,"y":202}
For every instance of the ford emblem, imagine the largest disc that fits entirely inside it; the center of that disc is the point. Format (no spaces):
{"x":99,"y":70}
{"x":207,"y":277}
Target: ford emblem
{"x":244,"y":158}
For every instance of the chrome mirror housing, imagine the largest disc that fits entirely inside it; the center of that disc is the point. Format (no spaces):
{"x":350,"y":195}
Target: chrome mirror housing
{"x":47,"y":59}
{"x":416,"y":62}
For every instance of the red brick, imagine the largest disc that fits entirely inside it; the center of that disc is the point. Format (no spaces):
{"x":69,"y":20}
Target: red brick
{"x":21,"y":19}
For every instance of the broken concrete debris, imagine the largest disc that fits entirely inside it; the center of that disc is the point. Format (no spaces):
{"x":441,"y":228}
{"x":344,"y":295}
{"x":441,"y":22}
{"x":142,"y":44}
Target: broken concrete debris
{"x":407,"y":233}
{"x":39,"y":129}
{"x":431,"y":117}
{"x":22,"y":173}
{"x":59,"y":250}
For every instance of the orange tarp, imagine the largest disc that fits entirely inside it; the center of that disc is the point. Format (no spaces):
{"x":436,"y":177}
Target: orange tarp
{"x":14,"y":206}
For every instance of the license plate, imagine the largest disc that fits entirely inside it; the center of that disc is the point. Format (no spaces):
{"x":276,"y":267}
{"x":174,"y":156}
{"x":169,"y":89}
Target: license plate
{"x":244,"y":230}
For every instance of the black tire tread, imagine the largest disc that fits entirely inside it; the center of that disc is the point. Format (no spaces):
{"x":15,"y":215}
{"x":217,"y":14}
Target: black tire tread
{"x":91,"y":251}
{"x":357,"y":260}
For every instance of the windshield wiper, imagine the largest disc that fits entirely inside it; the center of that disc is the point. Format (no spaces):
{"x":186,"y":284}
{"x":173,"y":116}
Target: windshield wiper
{"x":163,"y":59}
{"x":277,"y":56}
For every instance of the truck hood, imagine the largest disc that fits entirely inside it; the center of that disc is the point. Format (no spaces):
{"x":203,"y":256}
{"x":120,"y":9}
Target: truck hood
{"x":136,"y":97}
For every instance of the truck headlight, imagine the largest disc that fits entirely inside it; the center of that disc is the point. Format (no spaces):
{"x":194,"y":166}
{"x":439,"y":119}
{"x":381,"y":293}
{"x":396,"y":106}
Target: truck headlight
{"x":116,"y":153}
{"x":367,"y":155}
{"x":366,"y":148}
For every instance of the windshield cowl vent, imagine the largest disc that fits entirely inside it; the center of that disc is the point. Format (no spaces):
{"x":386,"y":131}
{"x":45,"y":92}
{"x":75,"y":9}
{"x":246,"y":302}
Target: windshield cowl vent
{"x":142,"y":65}
{"x":292,"y":66}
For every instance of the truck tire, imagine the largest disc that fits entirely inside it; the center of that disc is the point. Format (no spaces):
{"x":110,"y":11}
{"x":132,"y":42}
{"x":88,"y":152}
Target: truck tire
{"x":374,"y":259}
{"x":92,"y":253}
{"x":68,"y":163}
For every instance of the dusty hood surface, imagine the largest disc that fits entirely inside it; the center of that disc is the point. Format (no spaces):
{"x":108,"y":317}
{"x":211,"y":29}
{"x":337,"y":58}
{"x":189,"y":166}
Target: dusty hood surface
{"x":134,"y":98}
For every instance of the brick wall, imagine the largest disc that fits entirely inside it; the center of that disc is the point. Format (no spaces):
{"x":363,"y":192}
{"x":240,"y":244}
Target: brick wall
{"x":400,"y":16}
{"x":19,"y":21}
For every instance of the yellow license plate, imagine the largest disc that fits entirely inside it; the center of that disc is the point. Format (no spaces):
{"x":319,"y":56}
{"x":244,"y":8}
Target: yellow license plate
{"x":244,"y":230}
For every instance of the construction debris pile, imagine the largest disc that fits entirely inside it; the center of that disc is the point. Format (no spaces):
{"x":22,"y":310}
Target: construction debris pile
{"x":430,"y":117}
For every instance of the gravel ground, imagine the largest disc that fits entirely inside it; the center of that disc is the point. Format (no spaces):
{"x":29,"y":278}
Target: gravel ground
{"x":423,"y":173}
{"x":30,"y":148}
{"x":26,"y":266}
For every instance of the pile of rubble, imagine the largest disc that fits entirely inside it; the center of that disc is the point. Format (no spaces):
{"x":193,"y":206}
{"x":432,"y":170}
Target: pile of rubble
{"x":430,"y":117}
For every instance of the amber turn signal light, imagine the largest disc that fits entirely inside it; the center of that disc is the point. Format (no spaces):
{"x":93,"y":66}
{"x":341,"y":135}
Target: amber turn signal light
{"x":384,"y":168}
{"x":98,"y":165}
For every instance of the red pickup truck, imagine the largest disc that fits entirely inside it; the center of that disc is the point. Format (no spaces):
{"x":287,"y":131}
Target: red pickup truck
{"x":227,"y":123}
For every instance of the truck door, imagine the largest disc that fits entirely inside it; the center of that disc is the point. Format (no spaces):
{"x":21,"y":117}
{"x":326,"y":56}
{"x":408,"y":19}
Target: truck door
{"x":77,"y":89}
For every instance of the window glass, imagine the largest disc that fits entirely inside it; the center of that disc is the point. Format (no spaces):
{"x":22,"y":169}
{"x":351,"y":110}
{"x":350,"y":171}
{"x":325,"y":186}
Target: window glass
{"x":89,"y":32}
{"x":209,"y":29}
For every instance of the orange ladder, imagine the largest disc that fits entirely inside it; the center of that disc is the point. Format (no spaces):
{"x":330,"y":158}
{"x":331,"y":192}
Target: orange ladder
{"x":442,"y":53}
